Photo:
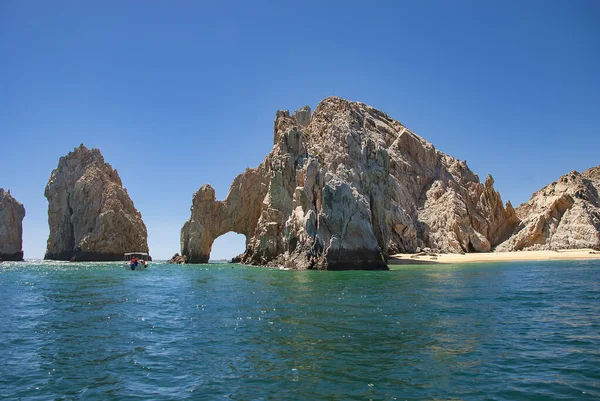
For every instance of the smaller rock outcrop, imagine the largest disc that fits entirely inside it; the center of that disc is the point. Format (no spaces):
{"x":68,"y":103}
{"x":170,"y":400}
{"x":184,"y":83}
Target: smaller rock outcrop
{"x":12,"y":213}
{"x":562,"y":215}
{"x":177,"y":259}
{"x":90,"y":214}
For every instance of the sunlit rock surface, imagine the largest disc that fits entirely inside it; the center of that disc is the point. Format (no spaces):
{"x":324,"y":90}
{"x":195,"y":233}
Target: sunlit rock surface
{"x":12,"y":213}
{"x":562,"y":215}
{"x":344,"y":187}
{"x":90,"y":214}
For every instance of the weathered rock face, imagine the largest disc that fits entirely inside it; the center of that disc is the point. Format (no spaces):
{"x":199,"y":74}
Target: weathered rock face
{"x":90,"y":214}
{"x":562,"y":215}
{"x":210,"y":218}
{"x":11,"y":227}
{"x":342,"y":188}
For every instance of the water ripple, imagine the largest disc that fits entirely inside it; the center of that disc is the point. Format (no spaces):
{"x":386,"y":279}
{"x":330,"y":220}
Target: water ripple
{"x":97,"y":331}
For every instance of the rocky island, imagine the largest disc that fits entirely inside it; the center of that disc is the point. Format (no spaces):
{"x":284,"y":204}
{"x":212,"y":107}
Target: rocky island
{"x":562,"y":215}
{"x":12,"y":213}
{"x":90,"y":215}
{"x":345,"y":187}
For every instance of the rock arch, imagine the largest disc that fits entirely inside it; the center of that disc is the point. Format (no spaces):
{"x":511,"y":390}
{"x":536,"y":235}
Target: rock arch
{"x":295,"y":210}
{"x":210,"y":219}
{"x":342,"y":187}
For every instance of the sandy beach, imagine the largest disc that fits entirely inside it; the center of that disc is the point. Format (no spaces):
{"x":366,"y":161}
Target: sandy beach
{"x":448,"y":258}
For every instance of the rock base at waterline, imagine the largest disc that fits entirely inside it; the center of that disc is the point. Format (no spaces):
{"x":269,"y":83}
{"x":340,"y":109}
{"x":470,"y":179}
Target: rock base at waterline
{"x":11,"y":257}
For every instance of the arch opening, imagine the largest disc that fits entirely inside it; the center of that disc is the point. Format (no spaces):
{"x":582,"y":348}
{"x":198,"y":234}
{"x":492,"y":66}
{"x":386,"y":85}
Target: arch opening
{"x":227,"y":246}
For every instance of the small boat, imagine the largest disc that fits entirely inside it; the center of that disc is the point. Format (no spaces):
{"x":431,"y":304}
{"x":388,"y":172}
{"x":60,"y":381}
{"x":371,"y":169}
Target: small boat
{"x":136,"y":260}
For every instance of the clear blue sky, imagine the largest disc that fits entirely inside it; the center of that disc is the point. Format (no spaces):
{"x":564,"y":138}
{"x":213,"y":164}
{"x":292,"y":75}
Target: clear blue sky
{"x":513,"y":87}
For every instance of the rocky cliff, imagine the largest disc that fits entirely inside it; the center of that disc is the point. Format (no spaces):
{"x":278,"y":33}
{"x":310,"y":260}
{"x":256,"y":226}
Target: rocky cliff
{"x":12,"y":213}
{"x":90,"y":214}
{"x":344,"y":187}
{"x":562,"y":215}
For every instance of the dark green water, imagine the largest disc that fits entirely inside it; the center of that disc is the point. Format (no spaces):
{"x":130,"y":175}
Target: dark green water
{"x":518,"y":331}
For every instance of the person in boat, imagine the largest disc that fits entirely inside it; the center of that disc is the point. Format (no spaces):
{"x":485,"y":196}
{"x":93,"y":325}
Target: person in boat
{"x":133,"y":264}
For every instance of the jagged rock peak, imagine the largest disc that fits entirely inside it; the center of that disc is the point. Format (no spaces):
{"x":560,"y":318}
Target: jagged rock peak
{"x":343,"y":187}
{"x":90,"y":214}
{"x":437,"y":201}
{"x":563,"y":215}
{"x":592,"y":173}
{"x":12,"y":213}
{"x":302,"y":116}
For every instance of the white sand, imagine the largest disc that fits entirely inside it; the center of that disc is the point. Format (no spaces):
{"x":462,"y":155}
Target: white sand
{"x":568,"y":254}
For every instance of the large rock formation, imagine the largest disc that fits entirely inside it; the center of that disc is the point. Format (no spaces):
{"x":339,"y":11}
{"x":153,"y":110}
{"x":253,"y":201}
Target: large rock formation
{"x":342,"y":188}
{"x":90,"y":214}
{"x":12,"y":213}
{"x":562,"y":215}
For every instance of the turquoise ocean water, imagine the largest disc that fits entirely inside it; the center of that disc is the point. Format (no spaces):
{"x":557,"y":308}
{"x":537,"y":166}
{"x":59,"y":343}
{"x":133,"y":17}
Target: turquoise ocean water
{"x":503,"y":331}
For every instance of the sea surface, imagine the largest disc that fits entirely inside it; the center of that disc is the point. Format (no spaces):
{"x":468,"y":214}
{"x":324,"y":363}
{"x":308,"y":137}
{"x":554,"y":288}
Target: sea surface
{"x":502,"y":331}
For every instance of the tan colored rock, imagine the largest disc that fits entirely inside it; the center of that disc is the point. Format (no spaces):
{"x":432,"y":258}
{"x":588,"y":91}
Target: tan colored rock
{"x":90,"y":214}
{"x":177,"y":259}
{"x":562,"y":215}
{"x":12,"y":213}
{"x":302,"y":116}
{"x":436,"y":200}
{"x":343,"y":187}
{"x":210,"y":218}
